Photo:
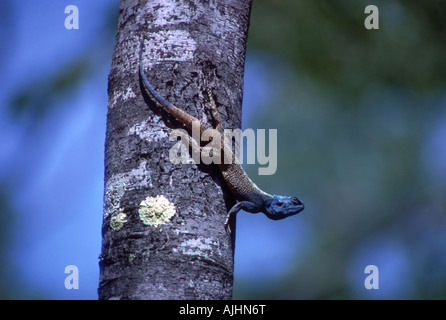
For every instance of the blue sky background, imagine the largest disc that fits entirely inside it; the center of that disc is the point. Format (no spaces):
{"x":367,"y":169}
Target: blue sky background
{"x":51,"y":171}
{"x":55,"y":168}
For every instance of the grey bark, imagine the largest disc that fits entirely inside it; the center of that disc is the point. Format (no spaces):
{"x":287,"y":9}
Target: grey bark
{"x":188,"y":46}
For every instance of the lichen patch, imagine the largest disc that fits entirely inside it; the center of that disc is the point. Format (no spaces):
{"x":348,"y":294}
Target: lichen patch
{"x":118,"y":220}
{"x":118,"y":184}
{"x":154,"y":211}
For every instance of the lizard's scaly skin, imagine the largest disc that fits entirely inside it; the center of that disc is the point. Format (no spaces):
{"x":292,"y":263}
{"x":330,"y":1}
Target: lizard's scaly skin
{"x":251,"y":197}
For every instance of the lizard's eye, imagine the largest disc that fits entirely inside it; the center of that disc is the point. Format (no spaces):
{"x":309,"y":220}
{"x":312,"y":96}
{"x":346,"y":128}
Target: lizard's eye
{"x":295,"y":201}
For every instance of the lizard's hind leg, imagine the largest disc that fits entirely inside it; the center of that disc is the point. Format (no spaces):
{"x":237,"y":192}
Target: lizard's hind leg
{"x":187,"y":141}
{"x":208,"y":154}
{"x":215,"y":114}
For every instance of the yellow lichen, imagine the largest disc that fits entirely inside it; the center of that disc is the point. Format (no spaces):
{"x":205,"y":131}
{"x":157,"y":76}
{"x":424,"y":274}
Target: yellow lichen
{"x":118,"y":220}
{"x":156,"y":210}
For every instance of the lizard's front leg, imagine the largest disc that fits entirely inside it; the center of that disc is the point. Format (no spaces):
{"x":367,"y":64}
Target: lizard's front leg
{"x":243,"y":205}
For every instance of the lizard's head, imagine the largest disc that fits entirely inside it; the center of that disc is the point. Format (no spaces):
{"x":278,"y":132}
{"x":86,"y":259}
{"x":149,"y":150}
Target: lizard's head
{"x":280,"y":207}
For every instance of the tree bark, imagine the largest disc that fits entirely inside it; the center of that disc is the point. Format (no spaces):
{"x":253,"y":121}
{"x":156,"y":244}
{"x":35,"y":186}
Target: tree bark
{"x":181,"y":251}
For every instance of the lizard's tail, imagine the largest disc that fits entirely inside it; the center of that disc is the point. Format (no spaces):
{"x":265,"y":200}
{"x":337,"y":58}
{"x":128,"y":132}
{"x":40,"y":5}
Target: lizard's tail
{"x":182,"y":116}
{"x":166,"y":104}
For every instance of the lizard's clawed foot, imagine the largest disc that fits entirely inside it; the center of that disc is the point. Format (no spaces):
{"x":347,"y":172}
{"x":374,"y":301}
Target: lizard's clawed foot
{"x":227,"y":226}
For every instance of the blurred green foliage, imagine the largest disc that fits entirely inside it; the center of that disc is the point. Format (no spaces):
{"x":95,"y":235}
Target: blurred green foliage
{"x":43,"y":93}
{"x":35,"y":100}
{"x":356,"y":111}
{"x":327,"y":41}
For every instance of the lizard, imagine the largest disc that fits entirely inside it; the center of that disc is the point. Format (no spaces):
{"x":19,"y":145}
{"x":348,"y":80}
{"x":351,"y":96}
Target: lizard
{"x":250,"y":197}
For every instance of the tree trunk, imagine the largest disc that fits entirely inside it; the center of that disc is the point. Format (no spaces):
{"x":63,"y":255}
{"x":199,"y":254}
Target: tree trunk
{"x":163,"y":227}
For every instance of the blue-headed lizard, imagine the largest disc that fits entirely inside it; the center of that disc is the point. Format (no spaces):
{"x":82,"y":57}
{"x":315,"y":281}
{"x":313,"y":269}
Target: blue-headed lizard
{"x":250,"y":197}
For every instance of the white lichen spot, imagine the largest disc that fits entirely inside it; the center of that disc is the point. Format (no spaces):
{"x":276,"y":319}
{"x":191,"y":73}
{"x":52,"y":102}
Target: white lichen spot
{"x":156,"y":210}
{"x":114,"y":191}
{"x":118,"y":220}
{"x":129,"y":94}
{"x":121,"y":96}
{"x":200,"y":247}
{"x":118,"y":184}
{"x":142,"y":129}
{"x":170,"y":12}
